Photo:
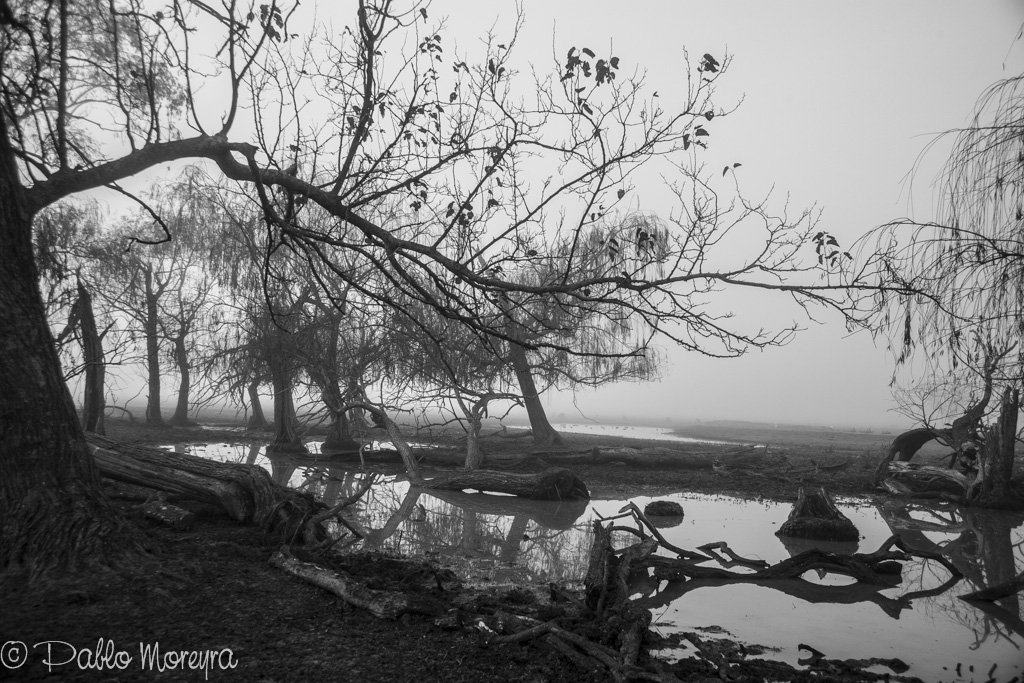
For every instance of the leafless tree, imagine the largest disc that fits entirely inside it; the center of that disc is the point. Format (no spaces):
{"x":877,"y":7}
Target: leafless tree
{"x":956,"y":327}
{"x":494,"y":161}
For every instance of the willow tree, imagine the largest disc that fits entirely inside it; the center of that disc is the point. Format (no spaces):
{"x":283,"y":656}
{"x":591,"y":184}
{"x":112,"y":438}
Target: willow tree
{"x":488,"y":154}
{"x":164,"y":286}
{"x":957,"y":331}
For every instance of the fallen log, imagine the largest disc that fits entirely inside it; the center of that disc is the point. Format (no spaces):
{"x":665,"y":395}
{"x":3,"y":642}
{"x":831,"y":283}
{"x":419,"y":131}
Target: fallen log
{"x":383,"y":604}
{"x":655,"y":457}
{"x":926,"y":480}
{"x":245,"y":492}
{"x":171,"y":515}
{"x":734,"y":559}
{"x":556,"y":483}
{"x":663,"y":457}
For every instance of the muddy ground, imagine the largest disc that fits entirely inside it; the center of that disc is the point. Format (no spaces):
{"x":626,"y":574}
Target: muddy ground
{"x":212,"y":589}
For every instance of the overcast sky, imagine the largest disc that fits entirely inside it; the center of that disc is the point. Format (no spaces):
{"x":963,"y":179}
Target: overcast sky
{"x":840,"y":99}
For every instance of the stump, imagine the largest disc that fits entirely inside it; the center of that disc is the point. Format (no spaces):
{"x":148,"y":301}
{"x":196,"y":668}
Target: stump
{"x":815,"y":516}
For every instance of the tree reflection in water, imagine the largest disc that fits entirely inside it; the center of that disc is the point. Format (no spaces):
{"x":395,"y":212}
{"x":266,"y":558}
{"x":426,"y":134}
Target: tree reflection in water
{"x":498,"y":538}
{"x":987,"y":546}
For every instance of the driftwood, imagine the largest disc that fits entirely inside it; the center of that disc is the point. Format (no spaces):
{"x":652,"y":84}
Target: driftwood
{"x":245,"y":492}
{"x":851,"y":565}
{"x":171,"y":515}
{"x":734,"y":559}
{"x":909,"y":479}
{"x":556,"y":483}
{"x":383,"y":604}
{"x":656,"y":456}
{"x":816,"y":516}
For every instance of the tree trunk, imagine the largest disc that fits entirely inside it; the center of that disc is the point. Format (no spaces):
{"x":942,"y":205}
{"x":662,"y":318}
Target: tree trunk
{"x":992,"y":487}
{"x":543,"y":433}
{"x":286,"y":434}
{"x":474,"y":456}
{"x":339,"y":437}
{"x":556,"y":483}
{"x":95,"y":365}
{"x":245,"y":492}
{"x":815,"y":516}
{"x":180,"y":417}
{"x":153,"y":415}
{"x":52,"y":512}
{"x":257,"y":420}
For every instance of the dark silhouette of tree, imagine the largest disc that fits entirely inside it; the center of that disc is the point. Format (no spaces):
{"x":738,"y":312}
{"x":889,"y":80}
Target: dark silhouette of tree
{"x":165,"y":286}
{"x":956,"y":326}
{"x":66,"y":253}
{"x":491,"y":159}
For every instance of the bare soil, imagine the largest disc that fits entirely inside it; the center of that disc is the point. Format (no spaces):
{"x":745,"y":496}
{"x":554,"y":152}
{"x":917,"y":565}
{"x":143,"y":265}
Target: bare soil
{"x":212,"y":588}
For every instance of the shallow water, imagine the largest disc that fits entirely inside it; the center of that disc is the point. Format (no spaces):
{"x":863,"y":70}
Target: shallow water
{"x":628,"y":432}
{"x":500,"y":539}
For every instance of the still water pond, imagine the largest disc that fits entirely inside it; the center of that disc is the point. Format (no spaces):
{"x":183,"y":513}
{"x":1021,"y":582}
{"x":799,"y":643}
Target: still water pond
{"x":500,"y":539}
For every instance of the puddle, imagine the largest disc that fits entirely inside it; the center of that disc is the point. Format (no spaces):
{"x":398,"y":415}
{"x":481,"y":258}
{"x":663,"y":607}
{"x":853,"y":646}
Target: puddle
{"x":491,"y":539}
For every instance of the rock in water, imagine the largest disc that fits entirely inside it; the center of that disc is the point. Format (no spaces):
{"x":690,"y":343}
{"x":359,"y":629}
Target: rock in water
{"x":815,"y":516}
{"x":663,"y":508}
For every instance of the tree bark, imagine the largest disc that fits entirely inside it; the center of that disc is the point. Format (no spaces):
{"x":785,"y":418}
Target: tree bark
{"x":383,"y":604}
{"x":992,"y":487}
{"x":474,"y":456}
{"x":180,"y":417}
{"x":815,"y":516}
{"x":286,"y":434}
{"x":556,"y":483}
{"x":52,"y":512}
{"x":95,"y":365}
{"x":245,"y":492}
{"x":339,"y":436}
{"x":543,"y":433}
{"x":153,"y":414}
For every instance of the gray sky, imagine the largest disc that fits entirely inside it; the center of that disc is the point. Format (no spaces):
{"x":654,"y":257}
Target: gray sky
{"x":840,"y":99}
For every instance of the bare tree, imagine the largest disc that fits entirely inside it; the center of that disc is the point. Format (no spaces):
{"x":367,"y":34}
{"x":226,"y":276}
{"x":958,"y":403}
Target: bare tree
{"x":956,"y":328}
{"x":489,"y":158}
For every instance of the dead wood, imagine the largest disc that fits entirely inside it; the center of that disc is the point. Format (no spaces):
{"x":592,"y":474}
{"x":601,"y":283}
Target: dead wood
{"x":245,"y":492}
{"x":790,"y":568}
{"x":556,"y":483}
{"x":816,"y":516}
{"x":926,"y":480}
{"x":1001,"y":590}
{"x":665,"y":457}
{"x":383,"y":604}
{"x":634,"y":510}
{"x":734,"y":559}
{"x":904,"y":447}
{"x":171,"y":515}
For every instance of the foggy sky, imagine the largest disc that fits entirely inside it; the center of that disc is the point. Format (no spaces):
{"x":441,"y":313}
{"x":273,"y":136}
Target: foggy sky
{"x":839,"y":101}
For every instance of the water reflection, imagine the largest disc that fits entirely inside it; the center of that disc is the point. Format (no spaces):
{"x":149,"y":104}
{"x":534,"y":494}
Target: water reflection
{"x":985,"y":545}
{"x":920,"y":619}
{"x":499,"y":539}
